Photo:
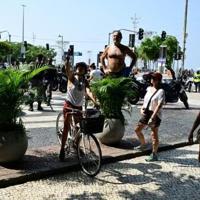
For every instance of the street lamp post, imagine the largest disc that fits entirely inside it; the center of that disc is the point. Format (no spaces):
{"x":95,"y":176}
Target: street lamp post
{"x":62,"y":45}
{"x":22,"y":45}
{"x":89,"y":57}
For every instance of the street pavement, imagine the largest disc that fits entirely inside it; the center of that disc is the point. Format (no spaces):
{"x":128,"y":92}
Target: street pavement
{"x":175,"y":126}
{"x":41,"y":159}
{"x":176,"y":176}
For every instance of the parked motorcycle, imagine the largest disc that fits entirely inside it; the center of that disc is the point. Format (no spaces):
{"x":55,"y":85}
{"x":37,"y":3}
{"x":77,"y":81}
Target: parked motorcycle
{"x":188,"y":83}
{"x":140,"y":87}
{"x":174,"y":90}
{"x":60,"y":82}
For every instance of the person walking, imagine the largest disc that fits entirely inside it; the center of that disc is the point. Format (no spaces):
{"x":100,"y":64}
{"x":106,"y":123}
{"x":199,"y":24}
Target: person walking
{"x":115,"y":55}
{"x":151,"y":111}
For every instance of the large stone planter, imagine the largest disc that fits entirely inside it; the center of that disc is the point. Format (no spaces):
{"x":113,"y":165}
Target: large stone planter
{"x":13,"y":145}
{"x":112,"y":133}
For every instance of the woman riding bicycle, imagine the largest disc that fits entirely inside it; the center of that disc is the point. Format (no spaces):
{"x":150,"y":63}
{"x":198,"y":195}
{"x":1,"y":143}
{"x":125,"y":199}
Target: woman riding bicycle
{"x":77,"y":87}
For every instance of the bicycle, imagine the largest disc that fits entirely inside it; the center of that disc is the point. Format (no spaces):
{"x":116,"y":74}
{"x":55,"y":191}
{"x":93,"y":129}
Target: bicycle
{"x":81,"y":138}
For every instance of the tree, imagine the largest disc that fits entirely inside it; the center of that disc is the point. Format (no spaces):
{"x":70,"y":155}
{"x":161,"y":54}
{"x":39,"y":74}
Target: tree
{"x":5,"y":49}
{"x":149,"y":49}
{"x":32,"y":51}
{"x":171,"y":43}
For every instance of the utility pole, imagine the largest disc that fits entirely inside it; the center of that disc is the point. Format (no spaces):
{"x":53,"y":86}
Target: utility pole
{"x":62,"y":45}
{"x":135,"y":21}
{"x":184,"y":34}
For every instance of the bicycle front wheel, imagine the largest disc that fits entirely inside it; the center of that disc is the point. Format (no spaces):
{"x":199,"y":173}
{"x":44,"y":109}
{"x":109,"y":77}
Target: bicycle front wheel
{"x":59,"y":126}
{"x":89,"y":154}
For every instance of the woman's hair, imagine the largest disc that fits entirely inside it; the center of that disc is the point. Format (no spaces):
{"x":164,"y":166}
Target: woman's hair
{"x":81,"y":64}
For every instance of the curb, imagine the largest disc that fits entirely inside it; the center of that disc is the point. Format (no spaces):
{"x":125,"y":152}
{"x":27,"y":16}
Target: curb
{"x":44,"y":173}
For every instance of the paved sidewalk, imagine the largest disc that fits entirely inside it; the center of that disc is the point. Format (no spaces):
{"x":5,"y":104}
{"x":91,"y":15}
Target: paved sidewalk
{"x":175,"y":176}
{"x":42,"y":162}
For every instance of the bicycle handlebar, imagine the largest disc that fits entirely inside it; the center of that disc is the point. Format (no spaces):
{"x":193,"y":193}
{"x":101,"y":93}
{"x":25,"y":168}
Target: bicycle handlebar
{"x":74,"y":110}
{"x":77,"y":111}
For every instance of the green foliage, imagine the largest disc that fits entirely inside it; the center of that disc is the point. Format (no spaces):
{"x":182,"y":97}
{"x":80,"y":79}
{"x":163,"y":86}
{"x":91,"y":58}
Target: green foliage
{"x":5,"y":49}
{"x":32,"y":51}
{"x":111,"y":93}
{"x":12,"y":91}
{"x":150,"y":47}
{"x":148,"y":50}
{"x":171,"y":43}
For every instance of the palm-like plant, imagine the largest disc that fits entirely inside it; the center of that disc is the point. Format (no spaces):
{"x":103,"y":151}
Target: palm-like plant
{"x":111,"y":93}
{"x":12,"y":84}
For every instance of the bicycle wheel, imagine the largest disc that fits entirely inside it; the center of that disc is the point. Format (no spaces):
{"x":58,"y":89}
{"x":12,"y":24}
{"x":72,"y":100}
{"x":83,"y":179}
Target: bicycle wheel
{"x":89,"y":154}
{"x":59,"y":126}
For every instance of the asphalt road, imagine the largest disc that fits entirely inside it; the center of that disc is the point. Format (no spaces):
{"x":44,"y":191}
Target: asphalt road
{"x":175,"y":126}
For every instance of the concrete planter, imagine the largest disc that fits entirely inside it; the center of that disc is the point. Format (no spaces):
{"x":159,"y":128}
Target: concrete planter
{"x":112,"y":133}
{"x":13,"y":145}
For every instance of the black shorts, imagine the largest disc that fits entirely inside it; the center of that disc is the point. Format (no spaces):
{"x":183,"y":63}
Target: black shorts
{"x":145,"y":118}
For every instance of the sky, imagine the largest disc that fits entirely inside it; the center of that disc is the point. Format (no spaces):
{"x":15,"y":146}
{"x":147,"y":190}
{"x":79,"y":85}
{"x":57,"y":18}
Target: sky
{"x":86,"y":24}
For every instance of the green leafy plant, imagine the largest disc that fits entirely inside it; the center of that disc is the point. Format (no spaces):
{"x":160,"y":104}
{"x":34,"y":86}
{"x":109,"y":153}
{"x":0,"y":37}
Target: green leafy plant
{"x":112,"y":94}
{"x":12,"y":88}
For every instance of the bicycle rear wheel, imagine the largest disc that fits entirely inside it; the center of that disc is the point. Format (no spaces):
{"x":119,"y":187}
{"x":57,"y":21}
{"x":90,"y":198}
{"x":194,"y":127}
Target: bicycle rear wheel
{"x":59,"y":126}
{"x":89,"y":154}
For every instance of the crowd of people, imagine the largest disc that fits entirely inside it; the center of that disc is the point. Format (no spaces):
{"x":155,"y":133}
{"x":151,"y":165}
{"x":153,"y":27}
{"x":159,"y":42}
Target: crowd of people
{"x":113,"y":64}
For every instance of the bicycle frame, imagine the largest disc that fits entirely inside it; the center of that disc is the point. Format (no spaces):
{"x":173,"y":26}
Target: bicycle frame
{"x":87,"y":146}
{"x":73,"y":133}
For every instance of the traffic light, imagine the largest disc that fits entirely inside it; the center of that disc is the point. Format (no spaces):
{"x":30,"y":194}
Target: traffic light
{"x":71,"y":50}
{"x":163,"y":35}
{"x":131,"y":40}
{"x":47,"y":46}
{"x":140,"y":33}
{"x":25,"y":45}
{"x":178,"y":55}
